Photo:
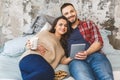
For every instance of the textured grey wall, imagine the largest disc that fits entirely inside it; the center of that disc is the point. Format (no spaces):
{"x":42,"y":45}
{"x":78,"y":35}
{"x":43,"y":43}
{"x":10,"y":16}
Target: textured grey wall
{"x":16,"y":16}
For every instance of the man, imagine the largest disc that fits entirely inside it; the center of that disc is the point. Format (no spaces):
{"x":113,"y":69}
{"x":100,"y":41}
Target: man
{"x":90,"y":64}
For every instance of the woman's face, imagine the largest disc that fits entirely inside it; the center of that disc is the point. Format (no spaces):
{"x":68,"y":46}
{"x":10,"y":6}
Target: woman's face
{"x":61,"y":27}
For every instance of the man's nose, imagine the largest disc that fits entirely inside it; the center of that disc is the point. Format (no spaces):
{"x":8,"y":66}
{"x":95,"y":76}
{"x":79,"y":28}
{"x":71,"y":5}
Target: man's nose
{"x":70,"y":14}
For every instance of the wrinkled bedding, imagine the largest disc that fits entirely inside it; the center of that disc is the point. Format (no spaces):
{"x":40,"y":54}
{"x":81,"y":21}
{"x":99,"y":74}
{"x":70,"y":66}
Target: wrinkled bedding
{"x":9,"y":68}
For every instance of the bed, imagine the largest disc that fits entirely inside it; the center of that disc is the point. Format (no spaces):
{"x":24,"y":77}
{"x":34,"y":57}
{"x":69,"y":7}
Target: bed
{"x":11,"y":51}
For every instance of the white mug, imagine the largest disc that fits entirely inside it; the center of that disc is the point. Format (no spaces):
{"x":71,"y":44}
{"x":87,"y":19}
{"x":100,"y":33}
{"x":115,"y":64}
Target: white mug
{"x":34,"y":42}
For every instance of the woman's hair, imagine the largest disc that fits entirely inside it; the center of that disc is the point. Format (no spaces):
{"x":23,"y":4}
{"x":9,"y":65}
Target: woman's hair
{"x":65,"y":36}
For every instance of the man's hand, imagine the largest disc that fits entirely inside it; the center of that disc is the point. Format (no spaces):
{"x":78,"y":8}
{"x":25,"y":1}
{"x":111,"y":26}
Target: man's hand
{"x":81,"y":55}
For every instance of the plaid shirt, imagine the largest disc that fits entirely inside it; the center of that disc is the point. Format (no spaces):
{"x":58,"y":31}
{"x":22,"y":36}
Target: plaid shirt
{"x":90,"y":31}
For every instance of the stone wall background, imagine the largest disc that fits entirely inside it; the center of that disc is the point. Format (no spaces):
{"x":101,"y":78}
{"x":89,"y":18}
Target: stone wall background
{"x":16,"y":16}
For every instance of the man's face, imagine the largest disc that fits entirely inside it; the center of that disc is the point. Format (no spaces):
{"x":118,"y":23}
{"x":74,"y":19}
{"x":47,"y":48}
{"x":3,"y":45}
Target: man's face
{"x":70,"y":13}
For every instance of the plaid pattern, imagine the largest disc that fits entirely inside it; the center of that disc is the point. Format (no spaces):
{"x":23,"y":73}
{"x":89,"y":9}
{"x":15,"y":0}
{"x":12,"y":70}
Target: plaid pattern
{"x":90,"y":31}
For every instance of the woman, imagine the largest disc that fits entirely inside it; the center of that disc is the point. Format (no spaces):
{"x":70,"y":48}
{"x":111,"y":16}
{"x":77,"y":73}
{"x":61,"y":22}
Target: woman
{"x":40,"y":66}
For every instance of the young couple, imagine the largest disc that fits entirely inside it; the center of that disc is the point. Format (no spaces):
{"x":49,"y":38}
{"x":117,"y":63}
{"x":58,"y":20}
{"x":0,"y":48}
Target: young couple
{"x":53,"y":46}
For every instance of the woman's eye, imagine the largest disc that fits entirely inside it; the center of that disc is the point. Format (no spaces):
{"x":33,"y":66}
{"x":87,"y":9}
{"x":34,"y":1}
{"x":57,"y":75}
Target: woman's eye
{"x":65,"y":25}
{"x":60,"y":24}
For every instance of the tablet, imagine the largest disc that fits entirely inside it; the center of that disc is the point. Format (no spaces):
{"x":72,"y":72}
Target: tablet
{"x":75,"y":48}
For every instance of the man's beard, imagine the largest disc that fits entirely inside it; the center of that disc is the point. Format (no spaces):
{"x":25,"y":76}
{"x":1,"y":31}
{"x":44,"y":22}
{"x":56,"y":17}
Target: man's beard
{"x":74,"y":20}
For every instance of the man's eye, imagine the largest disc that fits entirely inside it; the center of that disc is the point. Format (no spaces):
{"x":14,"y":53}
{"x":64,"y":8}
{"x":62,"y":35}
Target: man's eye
{"x":66,"y":14}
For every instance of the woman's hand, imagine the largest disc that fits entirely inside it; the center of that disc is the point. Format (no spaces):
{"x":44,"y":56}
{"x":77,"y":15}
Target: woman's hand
{"x":40,"y":48}
{"x":66,"y":60}
{"x":28,"y":45}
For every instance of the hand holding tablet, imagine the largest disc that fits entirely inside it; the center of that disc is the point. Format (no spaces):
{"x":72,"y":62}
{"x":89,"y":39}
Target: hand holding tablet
{"x":75,"y":48}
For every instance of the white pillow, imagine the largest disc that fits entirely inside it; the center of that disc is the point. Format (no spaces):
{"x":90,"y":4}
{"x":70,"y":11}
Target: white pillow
{"x":47,"y":26}
{"x":15,"y":47}
{"x":38,"y":23}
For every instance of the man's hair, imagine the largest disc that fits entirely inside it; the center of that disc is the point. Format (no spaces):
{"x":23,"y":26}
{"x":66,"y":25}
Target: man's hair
{"x":65,"y":5}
